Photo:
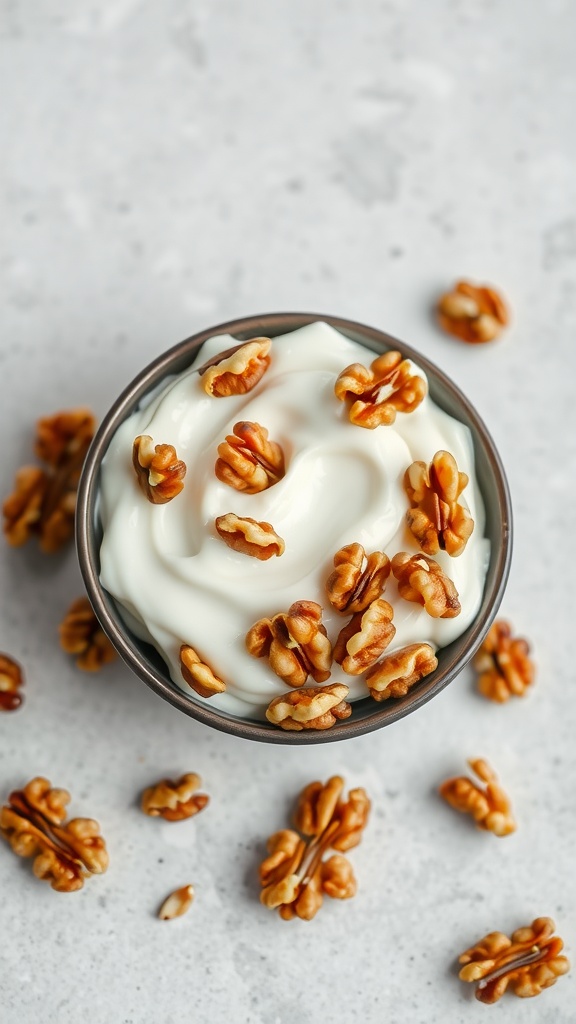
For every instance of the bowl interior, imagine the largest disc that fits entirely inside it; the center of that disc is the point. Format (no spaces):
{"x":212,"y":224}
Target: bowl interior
{"x":367,"y":714}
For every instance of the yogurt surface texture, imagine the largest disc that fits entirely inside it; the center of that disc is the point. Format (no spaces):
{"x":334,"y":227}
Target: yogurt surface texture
{"x":176,"y":580}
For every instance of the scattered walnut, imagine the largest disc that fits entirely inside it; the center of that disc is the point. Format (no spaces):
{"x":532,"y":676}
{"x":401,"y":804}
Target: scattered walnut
{"x":490,"y":807}
{"x":527,"y":963}
{"x":65,"y":853}
{"x":44,"y":500}
{"x":159,"y":471}
{"x":473,"y":313}
{"x":377,"y":394}
{"x":248,"y":461}
{"x":239,"y":372}
{"x":361,"y":642}
{"x":350,"y":587}
{"x":421,"y":579}
{"x":11,"y":679}
{"x":81,"y":635}
{"x":177,"y":903}
{"x":397,"y":672}
{"x":311,"y":707}
{"x":249,"y":536}
{"x":294,"y":642}
{"x":437,"y":520}
{"x":198,"y":674}
{"x":174,"y":801}
{"x":295,"y":877}
{"x":503,"y":663}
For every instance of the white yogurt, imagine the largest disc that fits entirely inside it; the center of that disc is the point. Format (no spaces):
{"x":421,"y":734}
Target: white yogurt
{"x":178,"y":582}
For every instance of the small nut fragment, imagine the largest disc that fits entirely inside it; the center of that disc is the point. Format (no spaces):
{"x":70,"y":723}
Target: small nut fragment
{"x":503,"y":663}
{"x":473,"y":313}
{"x":198,"y":674}
{"x":248,"y":461}
{"x":160,"y":473}
{"x":311,"y":707}
{"x":397,"y":672}
{"x":240,"y":372}
{"x":177,"y":903}
{"x":422,"y":580}
{"x":295,"y":643}
{"x":361,"y":642}
{"x":490,"y":807}
{"x":81,"y":635}
{"x":11,"y":679}
{"x":527,"y":962}
{"x":350,"y":587}
{"x":175,"y":801}
{"x":377,"y":394}
{"x":437,"y":520}
{"x":249,"y":536}
{"x":65,"y":853}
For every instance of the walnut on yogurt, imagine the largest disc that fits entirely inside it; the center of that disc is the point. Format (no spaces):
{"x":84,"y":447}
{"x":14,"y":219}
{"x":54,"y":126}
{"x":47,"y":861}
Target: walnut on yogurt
{"x":422,"y":580}
{"x":396,"y":673}
{"x":244,"y":534}
{"x":159,"y":471}
{"x":377,"y":393}
{"x":295,"y":643}
{"x":311,"y":707}
{"x":247,"y":460}
{"x":240,"y":371}
{"x":437,"y":520}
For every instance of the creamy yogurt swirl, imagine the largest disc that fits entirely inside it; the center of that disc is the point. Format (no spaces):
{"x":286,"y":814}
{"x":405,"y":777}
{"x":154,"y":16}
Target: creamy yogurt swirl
{"x":178,"y":582}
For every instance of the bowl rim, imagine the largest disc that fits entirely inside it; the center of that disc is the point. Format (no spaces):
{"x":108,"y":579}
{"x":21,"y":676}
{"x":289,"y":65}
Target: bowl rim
{"x":276,"y":324}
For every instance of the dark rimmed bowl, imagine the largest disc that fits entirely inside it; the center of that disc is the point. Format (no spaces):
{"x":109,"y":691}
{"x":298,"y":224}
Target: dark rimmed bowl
{"x":367,"y":714}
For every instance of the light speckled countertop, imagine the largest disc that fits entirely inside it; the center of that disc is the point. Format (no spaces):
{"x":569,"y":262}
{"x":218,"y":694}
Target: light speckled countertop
{"x":167,"y":167}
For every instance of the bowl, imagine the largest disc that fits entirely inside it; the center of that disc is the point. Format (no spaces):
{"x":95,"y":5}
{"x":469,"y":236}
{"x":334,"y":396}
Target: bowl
{"x":367,"y":714}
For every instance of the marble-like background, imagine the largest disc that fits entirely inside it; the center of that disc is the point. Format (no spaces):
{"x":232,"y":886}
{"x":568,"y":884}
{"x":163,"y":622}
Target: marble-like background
{"x":166,"y":166}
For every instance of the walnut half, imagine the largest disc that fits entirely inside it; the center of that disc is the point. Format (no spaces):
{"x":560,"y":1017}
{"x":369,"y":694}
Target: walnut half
{"x":11,"y":680}
{"x":396,"y":673}
{"x":504,"y":666}
{"x":357,"y":578}
{"x":422,"y":580}
{"x":241,"y":533}
{"x":361,"y":642}
{"x":198,"y":674}
{"x":310,"y":707}
{"x":247,"y":460}
{"x":437,"y":519}
{"x":239,"y":372}
{"x":473,"y":313}
{"x":174,"y":801}
{"x":82,"y":636}
{"x":527,"y":962}
{"x":377,"y":394}
{"x":490,"y":807}
{"x":295,"y":643}
{"x":160,"y":473}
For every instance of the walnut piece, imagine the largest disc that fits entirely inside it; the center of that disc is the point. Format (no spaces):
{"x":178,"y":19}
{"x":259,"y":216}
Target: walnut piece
{"x":174,"y":801}
{"x":357,"y":579}
{"x":422,"y":580}
{"x":361,"y":642}
{"x":295,"y":643}
{"x":65,"y":853}
{"x":397,"y":672}
{"x":503,"y":663}
{"x":377,"y":394}
{"x":437,"y":520}
{"x":248,"y":536}
{"x":177,"y":903}
{"x":527,"y":962}
{"x":43,"y":502}
{"x":198,"y":674}
{"x":248,"y":461}
{"x":81,"y":635}
{"x":11,"y":679}
{"x":311,"y":707}
{"x":295,"y":877}
{"x":159,"y":471}
{"x":240,"y":371}
{"x":490,"y":807}
{"x":473,"y":313}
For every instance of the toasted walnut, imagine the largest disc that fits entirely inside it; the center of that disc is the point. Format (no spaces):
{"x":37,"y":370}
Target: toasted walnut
{"x":159,"y":471}
{"x":422,"y":580}
{"x":81,"y":635}
{"x":503,"y":664}
{"x":62,"y":438}
{"x":198,"y":674}
{"x":65,"y":853}
{"x":527,"y":963}
{"x":248,"y":461}
{"x":249,"y":536}
{"x":22,"y":511}
{"x":11,"y":679}
{"x":490,"y":807}
{"x":240,"y":371}
{"x":377,"y":394}
{"x":473,"y":313}
{"x":295,"y":643}
{"x":312,"y":707}
{"x":177,"y":903}
{"x":437,"y":520}
{"x":295,"y":877}
{"x":361,"y":642}
{"x":357,"y":579}
{"x":174,"y":801}
{"x":397,"y":672}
